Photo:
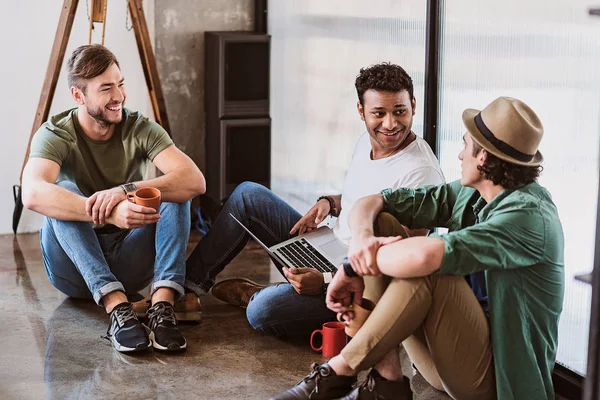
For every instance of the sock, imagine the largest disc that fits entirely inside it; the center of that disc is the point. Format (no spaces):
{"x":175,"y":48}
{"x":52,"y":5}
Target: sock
{"x":326,"y":365}
{"x":375,"y":374}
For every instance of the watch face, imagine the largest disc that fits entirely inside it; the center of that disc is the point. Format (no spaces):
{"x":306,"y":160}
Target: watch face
{"x":130,"y":187}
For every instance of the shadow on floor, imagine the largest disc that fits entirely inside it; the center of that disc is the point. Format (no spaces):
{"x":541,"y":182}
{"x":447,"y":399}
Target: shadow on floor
{"x":57,"y":350}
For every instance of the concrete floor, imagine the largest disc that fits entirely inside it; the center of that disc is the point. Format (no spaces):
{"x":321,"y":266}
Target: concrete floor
{"x":53,"y":346}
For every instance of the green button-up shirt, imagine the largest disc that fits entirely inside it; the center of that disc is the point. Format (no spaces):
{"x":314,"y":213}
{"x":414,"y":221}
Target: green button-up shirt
{"x":517,"y":239}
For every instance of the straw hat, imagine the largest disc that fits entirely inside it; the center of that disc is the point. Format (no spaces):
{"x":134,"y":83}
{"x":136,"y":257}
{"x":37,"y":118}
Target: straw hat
{"x":508,"y":129}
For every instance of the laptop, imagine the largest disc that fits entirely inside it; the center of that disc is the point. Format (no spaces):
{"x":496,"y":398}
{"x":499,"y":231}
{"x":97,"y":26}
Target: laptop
{"x":319,"y":249}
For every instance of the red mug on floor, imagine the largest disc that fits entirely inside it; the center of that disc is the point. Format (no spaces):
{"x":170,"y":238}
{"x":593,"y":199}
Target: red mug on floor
{"x":147,"y":197}
{"x":334,"y":339}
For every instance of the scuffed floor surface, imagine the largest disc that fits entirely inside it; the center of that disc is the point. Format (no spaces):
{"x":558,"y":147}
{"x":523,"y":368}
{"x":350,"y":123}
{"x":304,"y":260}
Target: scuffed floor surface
{"x":52,"y":346}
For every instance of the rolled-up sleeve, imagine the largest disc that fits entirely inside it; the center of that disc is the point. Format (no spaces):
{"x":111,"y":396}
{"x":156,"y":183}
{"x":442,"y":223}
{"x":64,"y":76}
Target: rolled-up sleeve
{"x":508,"y":240}
{"x":424,"y":207}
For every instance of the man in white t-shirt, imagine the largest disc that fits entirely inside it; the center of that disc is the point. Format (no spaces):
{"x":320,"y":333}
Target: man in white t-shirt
{"x":388,"y":155}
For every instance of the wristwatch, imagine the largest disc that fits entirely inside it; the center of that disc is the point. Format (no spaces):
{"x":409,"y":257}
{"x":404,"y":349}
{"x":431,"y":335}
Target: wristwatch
{"x":129,"y":187}
{"x":350,"y":273}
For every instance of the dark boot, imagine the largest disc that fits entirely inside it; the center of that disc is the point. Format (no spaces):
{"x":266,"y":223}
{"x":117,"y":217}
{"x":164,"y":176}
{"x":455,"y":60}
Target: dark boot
{"x":377,"y":388}
{"x":321,"y":384}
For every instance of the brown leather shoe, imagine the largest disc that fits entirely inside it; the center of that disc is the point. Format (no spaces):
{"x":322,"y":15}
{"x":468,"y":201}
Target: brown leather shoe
{"x":236,"y":291}
{"x":141,"y":307}
{"x":187,"y":308}
{"x":321,"y":384}
{"x":377,"y":388}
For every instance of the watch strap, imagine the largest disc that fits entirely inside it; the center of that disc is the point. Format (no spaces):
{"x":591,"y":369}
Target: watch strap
{"x":332,"y":210}
{"x":350,"y":273}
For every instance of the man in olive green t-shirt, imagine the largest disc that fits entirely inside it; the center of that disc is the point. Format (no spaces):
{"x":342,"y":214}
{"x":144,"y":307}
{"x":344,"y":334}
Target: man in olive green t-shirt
{"x":95,"y":243}
{"x":492,"y":340}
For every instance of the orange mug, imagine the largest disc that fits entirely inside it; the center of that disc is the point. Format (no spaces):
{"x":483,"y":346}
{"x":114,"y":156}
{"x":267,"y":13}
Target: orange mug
{"x":334,"y":339}
{"x":147,"y":197}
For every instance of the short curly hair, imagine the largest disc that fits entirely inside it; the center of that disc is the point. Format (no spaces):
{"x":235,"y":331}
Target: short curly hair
{"x":385,"y":77}
{"x":504,"y":173}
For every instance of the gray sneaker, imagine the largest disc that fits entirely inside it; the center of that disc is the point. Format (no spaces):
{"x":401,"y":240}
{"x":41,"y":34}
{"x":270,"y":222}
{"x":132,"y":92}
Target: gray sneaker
{"x":163,"y":328}
{"x":125,"y":331}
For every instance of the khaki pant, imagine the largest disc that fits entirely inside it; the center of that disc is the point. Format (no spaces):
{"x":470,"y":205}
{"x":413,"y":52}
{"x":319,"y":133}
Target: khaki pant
{"x":439,"y":322}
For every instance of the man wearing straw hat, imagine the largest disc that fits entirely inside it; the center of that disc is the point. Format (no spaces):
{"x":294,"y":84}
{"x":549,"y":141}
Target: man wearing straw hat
{"x":500,"y":221}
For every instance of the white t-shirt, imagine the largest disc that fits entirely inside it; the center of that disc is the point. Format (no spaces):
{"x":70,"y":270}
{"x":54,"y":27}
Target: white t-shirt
{"x":412,"y":167}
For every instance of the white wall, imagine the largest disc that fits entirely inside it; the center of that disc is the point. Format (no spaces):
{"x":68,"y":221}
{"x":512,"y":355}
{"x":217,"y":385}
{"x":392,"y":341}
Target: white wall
{"x":317,"y":50}
{"x":27,"y":30}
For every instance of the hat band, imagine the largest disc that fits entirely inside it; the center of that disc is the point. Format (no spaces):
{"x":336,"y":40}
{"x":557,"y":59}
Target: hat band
{"x":499,"y":144}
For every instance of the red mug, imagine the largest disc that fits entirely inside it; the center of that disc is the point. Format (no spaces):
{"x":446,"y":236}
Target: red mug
{"x":334,"y":339}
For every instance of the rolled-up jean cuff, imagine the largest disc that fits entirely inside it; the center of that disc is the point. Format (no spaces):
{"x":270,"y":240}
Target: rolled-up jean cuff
{"x":168,"y":284}
{"x":191,"y":286}
{"x":106,"y":289}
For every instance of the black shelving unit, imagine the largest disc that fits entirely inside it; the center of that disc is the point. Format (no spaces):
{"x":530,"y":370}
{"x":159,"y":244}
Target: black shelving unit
{"x":238,"y":127}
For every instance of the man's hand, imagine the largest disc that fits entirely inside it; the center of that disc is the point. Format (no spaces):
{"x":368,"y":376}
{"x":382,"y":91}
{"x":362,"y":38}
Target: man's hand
{"x":101,"y":204}
{"x":307,"y":281}
{"x":343,"y":290}
{"x":127,"y":215}
{"x":313,"y":217}
{"x":362,"y":253}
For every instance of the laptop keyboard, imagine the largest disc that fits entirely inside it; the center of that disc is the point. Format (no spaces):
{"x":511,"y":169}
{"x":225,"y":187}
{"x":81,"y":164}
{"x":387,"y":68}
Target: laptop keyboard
{"x":301,"y":254}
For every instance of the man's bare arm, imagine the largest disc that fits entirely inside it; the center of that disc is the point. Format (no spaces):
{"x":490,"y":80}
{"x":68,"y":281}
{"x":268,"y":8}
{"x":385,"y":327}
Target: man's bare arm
{"x":363,"y":215}
{"x":42,"y":195}
{"x":182,"y":180}
{"x":411,"y":258}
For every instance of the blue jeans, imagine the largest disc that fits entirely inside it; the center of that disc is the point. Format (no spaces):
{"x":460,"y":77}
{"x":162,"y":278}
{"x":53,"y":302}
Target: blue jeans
{"x":279,"y":309}
{"x":83,"y":264}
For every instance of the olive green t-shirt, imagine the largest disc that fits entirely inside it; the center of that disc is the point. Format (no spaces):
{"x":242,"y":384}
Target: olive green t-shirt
{"x":98,"y":165}
{"x":517,"y":240}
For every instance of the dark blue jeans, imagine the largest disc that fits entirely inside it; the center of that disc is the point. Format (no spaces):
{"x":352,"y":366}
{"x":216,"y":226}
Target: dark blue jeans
{"x":83,"y":264}
{"x":277,"y":309}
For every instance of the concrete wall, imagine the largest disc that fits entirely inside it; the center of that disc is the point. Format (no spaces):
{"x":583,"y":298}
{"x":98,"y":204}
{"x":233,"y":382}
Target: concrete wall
{"x":180,"y":27}
{"x":27,"y":30}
